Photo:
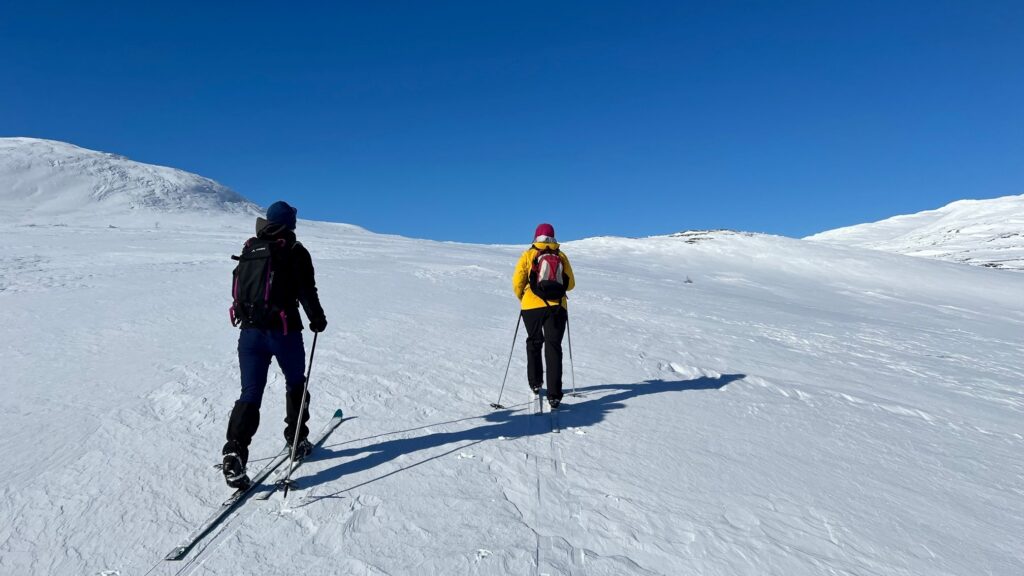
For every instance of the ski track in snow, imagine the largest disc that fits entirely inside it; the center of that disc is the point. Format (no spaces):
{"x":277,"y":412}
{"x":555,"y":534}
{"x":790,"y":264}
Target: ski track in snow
{"x":796,"y":409}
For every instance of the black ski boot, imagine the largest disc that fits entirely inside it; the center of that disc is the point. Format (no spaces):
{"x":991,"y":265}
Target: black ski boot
{"x":303,"y":449}
{"x":554,"y":403}
{"x":535,"y":388}
{"x":234,"y":471}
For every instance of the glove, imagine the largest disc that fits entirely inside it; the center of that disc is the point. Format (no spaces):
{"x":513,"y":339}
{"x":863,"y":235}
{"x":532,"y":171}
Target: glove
{"x":318,"y":325}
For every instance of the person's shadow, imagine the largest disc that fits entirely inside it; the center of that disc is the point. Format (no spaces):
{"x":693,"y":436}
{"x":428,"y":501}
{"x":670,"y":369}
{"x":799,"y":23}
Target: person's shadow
{"x":508,"y":423}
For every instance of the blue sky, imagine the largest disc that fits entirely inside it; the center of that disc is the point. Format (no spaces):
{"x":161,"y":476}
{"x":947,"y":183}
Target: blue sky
{"x":473,"y":121}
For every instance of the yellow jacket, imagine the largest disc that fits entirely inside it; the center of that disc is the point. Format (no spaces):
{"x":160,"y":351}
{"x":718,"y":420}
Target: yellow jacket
{"x":521,"y":277}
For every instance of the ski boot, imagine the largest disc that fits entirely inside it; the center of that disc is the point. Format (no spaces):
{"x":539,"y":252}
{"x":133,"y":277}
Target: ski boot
{"x":303,"y":449}
{"x":234,"y":471}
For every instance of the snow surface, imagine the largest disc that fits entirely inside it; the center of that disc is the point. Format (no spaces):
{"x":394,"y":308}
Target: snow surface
{"x":749,"y":404}
{"x":55,"y":180}
{"x":798,"y":408}
{"x":980,"y":232}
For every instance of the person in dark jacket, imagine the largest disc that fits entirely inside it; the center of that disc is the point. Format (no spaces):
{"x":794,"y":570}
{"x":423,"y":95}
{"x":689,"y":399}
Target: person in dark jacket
{"x":280,"y":337}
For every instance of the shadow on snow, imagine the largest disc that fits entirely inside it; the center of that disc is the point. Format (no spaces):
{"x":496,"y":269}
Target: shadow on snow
{"x":509,"y":423}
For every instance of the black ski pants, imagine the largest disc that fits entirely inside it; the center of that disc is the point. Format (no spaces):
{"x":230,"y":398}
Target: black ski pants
{"x":544,"y":329}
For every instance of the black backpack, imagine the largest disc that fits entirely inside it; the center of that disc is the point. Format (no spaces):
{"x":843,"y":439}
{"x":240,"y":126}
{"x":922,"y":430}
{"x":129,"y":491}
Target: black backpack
{"x":547,"y":275}
{"x":256,"y":298}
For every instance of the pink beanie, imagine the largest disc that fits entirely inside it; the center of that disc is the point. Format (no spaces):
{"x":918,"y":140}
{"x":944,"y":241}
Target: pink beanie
{"x":544,"y":233}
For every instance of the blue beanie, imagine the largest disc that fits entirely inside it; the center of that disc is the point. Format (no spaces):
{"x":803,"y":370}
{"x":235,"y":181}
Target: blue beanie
{"x":282,"y":214}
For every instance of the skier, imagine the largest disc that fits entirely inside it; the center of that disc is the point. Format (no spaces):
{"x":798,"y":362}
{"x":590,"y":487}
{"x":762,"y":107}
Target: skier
{"x":274,"y":275}
{"x":541,"y":279}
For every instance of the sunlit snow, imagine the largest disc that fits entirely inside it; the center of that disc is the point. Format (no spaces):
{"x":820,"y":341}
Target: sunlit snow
{"x":749,"y":404}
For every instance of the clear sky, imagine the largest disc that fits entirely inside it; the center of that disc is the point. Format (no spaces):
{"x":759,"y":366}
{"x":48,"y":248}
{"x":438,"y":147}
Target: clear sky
{"x":473,"y":121}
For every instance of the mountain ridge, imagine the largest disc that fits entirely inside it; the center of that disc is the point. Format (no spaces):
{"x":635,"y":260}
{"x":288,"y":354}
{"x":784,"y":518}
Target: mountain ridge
{"x":41,"y":177}
{"x":986,"y":232}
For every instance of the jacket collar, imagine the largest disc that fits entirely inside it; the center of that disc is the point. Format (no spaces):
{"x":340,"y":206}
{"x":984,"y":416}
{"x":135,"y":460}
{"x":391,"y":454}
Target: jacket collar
{"x":544,"y":246}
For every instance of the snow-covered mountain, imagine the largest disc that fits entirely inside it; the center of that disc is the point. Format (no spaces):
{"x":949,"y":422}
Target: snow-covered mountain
{"x":45,"y":179}
{"x":980,"y":232}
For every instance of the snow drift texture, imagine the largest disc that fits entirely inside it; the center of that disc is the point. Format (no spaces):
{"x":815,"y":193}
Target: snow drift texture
{"x":980,"y":232}
{"x":797,"y":409}
{"x":44,"y":178}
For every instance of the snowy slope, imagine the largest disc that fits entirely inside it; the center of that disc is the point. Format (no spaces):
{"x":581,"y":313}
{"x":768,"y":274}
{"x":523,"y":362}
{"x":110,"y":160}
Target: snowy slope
{"x":41,"y":180}
{"x":980,"y":232}
{"x":798,"y":409}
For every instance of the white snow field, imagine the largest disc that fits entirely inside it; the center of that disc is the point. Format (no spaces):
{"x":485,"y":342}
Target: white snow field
{"x":797,"y":409}
{"x":980,"y":232}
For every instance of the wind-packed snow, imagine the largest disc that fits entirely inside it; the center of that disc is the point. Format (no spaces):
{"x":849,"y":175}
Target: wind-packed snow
{"x":980,"y":232}
{"x":56,"y":180}
{"x":796,"y":409}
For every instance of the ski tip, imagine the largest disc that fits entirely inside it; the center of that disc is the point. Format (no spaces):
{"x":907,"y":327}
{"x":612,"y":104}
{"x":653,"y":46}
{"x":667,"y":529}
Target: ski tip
{"x":338,"y":413}
{"x":176,"y":554}
{"x":497,"y":406}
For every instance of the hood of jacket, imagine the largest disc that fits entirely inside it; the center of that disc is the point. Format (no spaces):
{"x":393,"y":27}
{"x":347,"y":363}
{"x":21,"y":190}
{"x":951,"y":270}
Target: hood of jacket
{"x":265,"y":229}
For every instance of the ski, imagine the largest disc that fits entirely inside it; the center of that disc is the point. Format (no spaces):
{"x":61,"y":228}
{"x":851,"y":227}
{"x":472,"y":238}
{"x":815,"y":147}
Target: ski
{"x":240,"y":495}
{"x":206,"y":527}
{"x":554,"y":421}
{"x":280,"y":474}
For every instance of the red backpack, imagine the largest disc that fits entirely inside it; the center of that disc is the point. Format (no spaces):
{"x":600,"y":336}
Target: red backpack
{"x":547,"y":275}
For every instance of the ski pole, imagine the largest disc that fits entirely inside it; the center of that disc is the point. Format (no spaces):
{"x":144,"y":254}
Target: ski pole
{"x":497,"y":405}
{"x":298,"y":419}
{"x":572,"y":368}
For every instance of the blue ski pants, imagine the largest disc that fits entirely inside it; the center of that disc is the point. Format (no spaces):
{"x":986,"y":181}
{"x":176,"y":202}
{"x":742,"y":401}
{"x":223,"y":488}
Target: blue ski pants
{"x":256,"y":348}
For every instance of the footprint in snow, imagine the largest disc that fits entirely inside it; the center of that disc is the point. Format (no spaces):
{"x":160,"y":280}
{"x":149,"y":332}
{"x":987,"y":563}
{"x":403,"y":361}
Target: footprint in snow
{"x":465,"y":455}
{"x":481,"y":554}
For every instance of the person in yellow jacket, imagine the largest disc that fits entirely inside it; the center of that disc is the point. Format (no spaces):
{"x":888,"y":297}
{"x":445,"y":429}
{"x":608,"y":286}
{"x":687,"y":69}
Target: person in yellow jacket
{"x":542,"y":277}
